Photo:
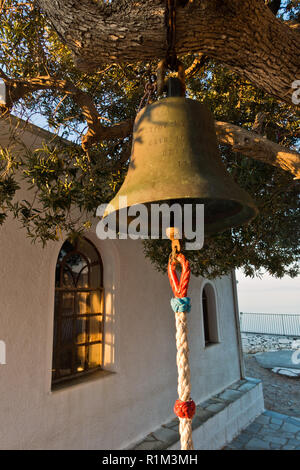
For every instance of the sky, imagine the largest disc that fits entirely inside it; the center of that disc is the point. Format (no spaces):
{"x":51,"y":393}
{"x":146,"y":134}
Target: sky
{"x":268,"y":294}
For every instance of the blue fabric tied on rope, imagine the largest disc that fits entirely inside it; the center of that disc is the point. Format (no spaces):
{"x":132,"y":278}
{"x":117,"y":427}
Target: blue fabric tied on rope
{"x":182,"y":304}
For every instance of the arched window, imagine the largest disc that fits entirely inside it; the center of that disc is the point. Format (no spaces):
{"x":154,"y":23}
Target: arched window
{"x":210,"y":317}
{"x":78,"y":314}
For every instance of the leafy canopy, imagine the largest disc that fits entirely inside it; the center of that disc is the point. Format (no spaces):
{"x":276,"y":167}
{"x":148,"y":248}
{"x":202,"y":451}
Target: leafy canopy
{"x":67,"y":183}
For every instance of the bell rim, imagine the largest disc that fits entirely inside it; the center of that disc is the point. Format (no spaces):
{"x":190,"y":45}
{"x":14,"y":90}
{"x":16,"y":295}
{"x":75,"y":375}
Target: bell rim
{"x":248,"y":211}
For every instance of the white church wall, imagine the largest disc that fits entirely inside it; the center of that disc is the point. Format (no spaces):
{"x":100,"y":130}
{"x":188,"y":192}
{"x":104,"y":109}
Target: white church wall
{"x":136,"y":395}
{"x":112,"y":410}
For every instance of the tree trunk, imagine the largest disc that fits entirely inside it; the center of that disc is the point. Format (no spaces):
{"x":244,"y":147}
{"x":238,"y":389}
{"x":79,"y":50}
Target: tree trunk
{"x":242,"y":34}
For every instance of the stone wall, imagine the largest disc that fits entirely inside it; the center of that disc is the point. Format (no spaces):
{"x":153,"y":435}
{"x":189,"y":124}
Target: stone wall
{"x":217,"y":420}
{"x":256,"y":342}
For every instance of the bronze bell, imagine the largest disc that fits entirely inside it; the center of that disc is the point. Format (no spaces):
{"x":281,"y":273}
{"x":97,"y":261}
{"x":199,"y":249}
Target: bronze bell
{"x":175,"y":158}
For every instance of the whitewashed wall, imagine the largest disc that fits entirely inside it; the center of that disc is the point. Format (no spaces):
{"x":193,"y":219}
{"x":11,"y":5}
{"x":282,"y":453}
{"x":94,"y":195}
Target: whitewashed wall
{"x":111,"y":411}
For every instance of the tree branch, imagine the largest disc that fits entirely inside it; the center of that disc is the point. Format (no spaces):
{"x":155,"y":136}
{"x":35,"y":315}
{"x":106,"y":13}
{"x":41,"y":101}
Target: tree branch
{"x":248,"y":143}
{"x":260,"y":148}
{"x":198,"y":63}
{"x":17,"y":89}
{"x":242,"y":34}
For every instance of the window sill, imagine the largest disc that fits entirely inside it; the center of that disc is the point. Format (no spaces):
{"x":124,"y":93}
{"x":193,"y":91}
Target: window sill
{"x":84,"y":379}
{"x":209,"y":345}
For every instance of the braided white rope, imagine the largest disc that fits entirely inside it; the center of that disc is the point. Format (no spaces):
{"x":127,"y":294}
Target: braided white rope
{"x":184,"y":377}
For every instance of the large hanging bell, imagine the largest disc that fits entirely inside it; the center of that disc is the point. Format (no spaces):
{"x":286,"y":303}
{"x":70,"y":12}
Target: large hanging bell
{"x":175,"y":158}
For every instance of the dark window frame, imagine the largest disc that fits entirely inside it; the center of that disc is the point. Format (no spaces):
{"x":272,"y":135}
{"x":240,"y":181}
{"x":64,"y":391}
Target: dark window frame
{"x":210,"y":315}
{"x":58,"y":344}
{"x":205,"y":317}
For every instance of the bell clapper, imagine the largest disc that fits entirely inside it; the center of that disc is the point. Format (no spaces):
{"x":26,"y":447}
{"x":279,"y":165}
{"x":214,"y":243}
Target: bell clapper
{"x":173,"y":234}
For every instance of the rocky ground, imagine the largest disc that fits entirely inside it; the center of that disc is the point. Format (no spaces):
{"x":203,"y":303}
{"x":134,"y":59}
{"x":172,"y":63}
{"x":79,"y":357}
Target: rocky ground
{"x":282,"y":394}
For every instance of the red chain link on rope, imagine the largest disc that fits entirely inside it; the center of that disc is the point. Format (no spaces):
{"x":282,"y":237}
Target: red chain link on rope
{"x":179,"y":288}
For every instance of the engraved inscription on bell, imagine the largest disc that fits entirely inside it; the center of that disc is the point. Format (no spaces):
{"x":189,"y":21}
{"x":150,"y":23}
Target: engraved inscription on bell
{"x":175,"y":157}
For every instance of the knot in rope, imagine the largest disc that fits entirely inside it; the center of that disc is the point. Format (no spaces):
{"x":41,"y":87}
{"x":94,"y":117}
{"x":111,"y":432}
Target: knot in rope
{"x":185,"y":409}
{"x":180,"y":287}
{"x":182,"y":304}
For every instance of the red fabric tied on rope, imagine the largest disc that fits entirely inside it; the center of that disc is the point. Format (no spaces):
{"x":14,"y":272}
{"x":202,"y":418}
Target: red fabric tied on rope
{"x":185,"y":409}
{"x":179,"y":288}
